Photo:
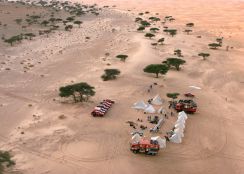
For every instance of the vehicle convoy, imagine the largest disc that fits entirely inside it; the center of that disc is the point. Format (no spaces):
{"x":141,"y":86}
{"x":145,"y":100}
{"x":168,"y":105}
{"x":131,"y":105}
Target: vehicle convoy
{"x":101,"y":109}
{"x":189,"y":106}
{"x":149,"y":147}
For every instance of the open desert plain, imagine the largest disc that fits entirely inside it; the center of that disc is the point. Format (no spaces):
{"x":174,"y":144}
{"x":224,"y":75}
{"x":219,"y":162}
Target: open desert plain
{"x":49,"y":49}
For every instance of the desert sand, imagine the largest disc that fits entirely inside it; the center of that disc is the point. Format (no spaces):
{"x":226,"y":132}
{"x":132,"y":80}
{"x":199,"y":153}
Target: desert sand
{"x":30,"y":107}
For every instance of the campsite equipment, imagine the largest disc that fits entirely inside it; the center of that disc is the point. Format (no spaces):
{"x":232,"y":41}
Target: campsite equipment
{"x":189,"y":94}
{"x":154,"y":120}
{"x":101,"y":109}
{"x":157,"y":126}
{"x":161,"y":141}
{"x":149,"y":147}
{"x":189,"y":106}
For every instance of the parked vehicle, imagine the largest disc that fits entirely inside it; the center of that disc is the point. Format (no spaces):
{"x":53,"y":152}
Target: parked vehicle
{"x":148,"y":147}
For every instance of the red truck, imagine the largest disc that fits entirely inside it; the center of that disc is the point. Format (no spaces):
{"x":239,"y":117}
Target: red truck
{"x":189,"y":106}
{"x":149,"y":147}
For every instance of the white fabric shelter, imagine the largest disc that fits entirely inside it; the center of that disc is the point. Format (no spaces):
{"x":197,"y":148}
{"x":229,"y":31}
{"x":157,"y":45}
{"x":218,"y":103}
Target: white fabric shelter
{"x":182,"y":114}
{"x":157,"y":100}
{"x":175,"y":138}
{"x":180,"y":122}
{"x":150,"y":109}
{"x":179,"y":132}
{"x":161,"y":141}
{"x":139,"y":105}
{"x":180,"y":125}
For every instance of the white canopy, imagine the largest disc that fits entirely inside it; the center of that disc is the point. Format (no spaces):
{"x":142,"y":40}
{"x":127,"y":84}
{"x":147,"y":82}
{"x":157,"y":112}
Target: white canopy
{"x":180,"y":121}
{"x":157,"y":100}
{"x":161,"y":110}
{"x":136,"y":138}
{"x":150,"y":109}
{"x":182,"y":114}
{"x":161,"y":141}
{"x":180,"y":125}
{"x":175,"y":138}
{"x":179,"y":132}
{"x":139,"y":105}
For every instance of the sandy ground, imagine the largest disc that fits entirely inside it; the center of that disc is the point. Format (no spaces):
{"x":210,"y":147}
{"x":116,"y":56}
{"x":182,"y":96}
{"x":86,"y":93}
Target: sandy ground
{"x":213,"y":141}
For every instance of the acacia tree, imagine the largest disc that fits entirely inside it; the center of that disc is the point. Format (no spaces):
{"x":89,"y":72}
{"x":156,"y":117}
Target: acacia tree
{"x":30,"y":35}
{"x":154,"y":30}
{"x":190,"y":24}
{"x":5,"y":160}
{"x":220,"y":41}
{"x":145,"y":23}
{"x":172,"y":95}
{"x":138,"y":19}
{"x":141,"y":28}
{"x":45,"y":22}
{"x":122,"y":57}
{"x":204,"y":55}
{"x":175,"y":62}
{"x":150,"y":35}
{"x":214,"y":45}
{"x":78,"y":23}
{"x":188,"y":31}
{"x":172,"y":32}
{"x":68,"y":27}
{"x":156,"y":69}
{"x":110,"y":74}
{"x":178,"y":53}
{"x":80,"y":91}
{"x":161,"y":41}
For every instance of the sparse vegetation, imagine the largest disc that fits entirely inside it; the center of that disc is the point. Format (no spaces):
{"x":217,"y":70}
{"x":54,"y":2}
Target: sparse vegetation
{"x":204,"y":55}
{"x":214,"y":45}
{"x":5,"y":161}
{"x":110,"y":74}
{"x":175,"y":62}
{"x":79,"y":91}
{"x":173,"y":95}
{"x":149,"y":35}
{"x":156,"y":69}
{"x":122,"y":57}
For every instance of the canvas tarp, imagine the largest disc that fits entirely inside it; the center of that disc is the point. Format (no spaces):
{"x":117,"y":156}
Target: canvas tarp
{"x":150,"y":109}
{"x":139,"y":105}
{"x":157,"y":100}
{"x":161,"y":141}
{"x":175,"y":138}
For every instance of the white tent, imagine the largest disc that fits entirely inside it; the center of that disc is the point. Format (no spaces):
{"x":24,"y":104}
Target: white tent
{"x":136,"y":138}
{"x":182,"y":114}
{"x":150,"y":109}
{"x":161,"y":141}
{"x":180,"y":126}
{"x":161,"y":110}
{"x":180,"y":121}
{"x":157,"y":100}
{"x":179,"y":132}
{"x":175,"y":138}
{"x":139,"y":105}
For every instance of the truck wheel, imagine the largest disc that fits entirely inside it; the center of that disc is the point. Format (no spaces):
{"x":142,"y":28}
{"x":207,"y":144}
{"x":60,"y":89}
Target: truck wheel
{"x":135,"y":151}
